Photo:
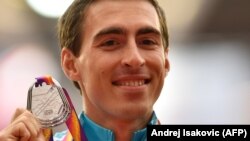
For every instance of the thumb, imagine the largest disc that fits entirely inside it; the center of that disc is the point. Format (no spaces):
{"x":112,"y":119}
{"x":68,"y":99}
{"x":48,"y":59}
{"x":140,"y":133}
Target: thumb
{"x":18,"y":112}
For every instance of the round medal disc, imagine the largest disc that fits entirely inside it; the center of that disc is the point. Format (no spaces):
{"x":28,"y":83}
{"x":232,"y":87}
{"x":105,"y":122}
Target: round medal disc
{"x":47,"y":102}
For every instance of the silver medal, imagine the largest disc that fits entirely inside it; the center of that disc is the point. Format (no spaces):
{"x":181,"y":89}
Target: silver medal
{"x":48,"y":103}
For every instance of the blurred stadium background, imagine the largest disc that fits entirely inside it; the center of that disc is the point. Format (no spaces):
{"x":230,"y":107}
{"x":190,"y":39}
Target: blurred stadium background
{"x":209,"y":80}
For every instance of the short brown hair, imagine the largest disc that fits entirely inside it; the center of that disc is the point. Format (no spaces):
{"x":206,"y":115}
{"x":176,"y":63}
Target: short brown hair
{"x":69,"y":25}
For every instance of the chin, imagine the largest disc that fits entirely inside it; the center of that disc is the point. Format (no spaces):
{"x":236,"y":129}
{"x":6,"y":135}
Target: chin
{"x":135,"y":111}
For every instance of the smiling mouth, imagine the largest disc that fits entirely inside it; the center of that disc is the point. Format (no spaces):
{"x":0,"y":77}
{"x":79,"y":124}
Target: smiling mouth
{"x":132,"y":83}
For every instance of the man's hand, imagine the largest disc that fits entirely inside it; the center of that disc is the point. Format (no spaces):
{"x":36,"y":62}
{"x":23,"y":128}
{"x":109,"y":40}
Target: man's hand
{"x":23,"y":127}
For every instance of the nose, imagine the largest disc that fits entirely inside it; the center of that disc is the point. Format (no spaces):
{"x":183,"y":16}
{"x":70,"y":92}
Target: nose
{"x":132,"y":56}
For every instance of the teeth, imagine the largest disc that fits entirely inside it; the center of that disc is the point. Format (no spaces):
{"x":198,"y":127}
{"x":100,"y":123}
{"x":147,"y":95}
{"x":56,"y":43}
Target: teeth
{"x":132,"y":83}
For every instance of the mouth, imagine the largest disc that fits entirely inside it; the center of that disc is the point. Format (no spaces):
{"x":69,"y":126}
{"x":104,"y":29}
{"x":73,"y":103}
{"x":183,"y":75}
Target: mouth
{"x":131,"y":83}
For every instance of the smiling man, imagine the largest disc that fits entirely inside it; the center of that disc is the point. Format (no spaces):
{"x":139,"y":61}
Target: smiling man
{"x":116,"y":52}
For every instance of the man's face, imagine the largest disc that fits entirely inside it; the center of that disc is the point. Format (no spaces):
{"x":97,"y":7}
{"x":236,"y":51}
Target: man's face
{"x":122,"y":63}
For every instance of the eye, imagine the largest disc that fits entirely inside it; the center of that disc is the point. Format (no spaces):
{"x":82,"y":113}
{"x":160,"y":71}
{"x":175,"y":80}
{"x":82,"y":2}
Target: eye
{"x":110,"y":43}
{"x":148,"y":42}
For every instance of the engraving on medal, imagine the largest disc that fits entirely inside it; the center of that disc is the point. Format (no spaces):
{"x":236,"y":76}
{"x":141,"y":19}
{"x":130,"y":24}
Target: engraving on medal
{"x":47,"y":102}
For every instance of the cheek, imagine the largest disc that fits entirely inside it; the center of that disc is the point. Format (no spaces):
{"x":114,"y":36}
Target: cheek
{"x":97,"y":71}
{"x":157,"y":62}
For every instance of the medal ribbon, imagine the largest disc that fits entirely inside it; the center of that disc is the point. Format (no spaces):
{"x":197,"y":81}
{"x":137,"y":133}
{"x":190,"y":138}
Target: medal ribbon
{"x":73,"y":123}
{"x":48,"y":134}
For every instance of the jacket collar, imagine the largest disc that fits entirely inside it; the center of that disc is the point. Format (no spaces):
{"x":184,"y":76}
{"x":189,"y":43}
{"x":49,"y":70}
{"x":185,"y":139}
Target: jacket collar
{"x":95,"y":132}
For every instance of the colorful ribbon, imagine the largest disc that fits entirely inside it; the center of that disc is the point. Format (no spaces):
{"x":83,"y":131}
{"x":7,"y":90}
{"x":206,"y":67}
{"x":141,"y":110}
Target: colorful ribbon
{"x":48,"y":134}
{"x":73,"y":122}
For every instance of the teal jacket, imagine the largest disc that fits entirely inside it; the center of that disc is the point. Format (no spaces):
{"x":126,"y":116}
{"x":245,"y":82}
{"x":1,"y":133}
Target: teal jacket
{"x":95,"y":132}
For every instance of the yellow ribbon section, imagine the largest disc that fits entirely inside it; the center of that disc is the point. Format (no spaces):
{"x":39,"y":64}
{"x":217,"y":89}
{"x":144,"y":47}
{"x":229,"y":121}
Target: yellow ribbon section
{"x":48,"y":134}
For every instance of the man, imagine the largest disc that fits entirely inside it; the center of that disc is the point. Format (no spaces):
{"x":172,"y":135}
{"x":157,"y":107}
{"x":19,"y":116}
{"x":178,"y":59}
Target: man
{"x":115,"y":51}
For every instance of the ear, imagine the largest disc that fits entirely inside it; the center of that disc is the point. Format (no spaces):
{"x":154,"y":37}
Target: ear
{"x":69,"y":64}
{"x":167,"y":65}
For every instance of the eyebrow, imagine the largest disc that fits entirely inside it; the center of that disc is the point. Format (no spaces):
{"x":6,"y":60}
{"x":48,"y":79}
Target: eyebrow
{"x":119,"y":31}
{"x":148,"y":30}
{"x":109,"y":30}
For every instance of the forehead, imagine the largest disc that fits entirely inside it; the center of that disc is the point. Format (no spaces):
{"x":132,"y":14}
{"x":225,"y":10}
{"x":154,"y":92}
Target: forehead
{"x":112,"y":5}
{"x":129,"y":11}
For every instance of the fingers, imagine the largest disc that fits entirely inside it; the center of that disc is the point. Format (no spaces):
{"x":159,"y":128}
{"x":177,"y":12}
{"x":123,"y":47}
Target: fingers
{"x":27,"y":122}
{"x":40,"y":137}
{"x":24,"y":127}
{"x":21,"y":132}
{"x":18,"y":112}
